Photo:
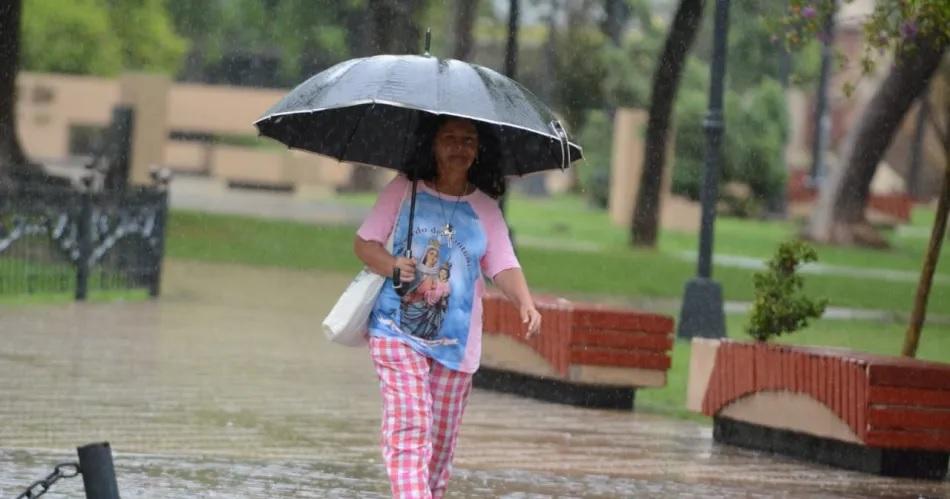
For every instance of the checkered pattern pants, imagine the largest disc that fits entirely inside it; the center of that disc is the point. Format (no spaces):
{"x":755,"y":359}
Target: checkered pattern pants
{"x":422,"y":410}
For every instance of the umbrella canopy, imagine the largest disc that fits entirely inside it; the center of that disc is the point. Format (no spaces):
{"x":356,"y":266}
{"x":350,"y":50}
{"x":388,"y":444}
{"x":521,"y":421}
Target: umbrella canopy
{"x":368,"y":111}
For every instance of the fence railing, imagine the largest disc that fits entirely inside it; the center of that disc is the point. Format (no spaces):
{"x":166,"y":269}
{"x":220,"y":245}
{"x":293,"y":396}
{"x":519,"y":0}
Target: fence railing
{"x":57,"y":240}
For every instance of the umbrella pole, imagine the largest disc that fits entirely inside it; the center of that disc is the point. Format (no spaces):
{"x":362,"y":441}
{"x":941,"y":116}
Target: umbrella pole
{"x":397,"y":282}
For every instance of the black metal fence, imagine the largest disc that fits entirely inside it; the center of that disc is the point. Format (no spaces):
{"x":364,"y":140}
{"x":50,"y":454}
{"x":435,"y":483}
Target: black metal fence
{"x":60,"y":240}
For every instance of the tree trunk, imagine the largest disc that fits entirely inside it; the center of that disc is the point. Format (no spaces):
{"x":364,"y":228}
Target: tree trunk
{"x":12,"y":159}
{"x":666,"y":77}
{"x":511,"y":47}
{"x":465,"y":13}
{"x":839,"y":216}
{"x":616,"y":15}
{"x":919,"y":314}
{"x":393,"y":30}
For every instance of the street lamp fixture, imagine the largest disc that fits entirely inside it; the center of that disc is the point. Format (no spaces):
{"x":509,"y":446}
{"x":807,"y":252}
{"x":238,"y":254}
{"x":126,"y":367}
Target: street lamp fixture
{"x":701,"y":313}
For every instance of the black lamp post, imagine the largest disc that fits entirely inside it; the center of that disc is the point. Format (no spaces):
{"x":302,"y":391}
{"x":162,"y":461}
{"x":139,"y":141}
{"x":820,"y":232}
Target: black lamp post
{"x":511,"y":69}
{"x":702,"y":309}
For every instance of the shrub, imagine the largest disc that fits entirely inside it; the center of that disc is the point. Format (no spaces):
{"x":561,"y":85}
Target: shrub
{"x":780,"y":306}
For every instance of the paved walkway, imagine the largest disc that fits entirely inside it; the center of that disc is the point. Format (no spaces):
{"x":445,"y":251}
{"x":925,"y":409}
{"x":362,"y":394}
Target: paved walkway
{"x":226,"y":388}
{"x":213,"y":196}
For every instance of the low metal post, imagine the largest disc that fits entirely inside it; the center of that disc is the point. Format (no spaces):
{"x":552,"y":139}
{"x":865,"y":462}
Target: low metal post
{"x":161,"y":227}
{"x":98,"y":472}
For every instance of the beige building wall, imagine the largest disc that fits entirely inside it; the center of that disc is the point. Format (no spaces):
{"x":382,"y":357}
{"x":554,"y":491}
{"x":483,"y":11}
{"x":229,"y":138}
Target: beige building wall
{"x":226,"y":110}
{"x":51,"y":105}
{"x":48,"y":105}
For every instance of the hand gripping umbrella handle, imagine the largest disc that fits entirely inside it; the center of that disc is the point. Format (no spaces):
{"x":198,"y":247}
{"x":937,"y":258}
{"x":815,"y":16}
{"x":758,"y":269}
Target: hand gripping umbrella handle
{"x":398,"y":285}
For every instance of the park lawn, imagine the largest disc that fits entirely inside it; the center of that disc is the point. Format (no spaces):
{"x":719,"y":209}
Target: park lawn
{"x":94,"y":296}
{"x":873,"y":337}
{"x":23,"y":282}
{"x":574,"y":220}
{"x":570,"y":221}
{"x":617,"y":271}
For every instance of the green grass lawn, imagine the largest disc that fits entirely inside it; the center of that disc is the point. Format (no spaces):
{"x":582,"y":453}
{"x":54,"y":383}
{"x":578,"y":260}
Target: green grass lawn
{"x":568,"y":219}
{"x":53,"y":298}
{"x":25,"y":282}
{"x":615,"y":270}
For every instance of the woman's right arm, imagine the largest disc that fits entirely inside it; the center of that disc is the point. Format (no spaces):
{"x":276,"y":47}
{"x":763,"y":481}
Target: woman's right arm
{"x":375,"y":256}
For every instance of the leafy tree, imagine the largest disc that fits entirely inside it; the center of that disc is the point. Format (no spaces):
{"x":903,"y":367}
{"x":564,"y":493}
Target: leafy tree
{"x":580,"y":67}
{"x":916,"y":33}
{"x":758,"y":127}
{"x":148,"y":39}
{"x":752,"y":39}
{"x":627,"y":82}
{"x":199,"y":23}
{"x":312,"y":39}
{"x":70,"y":36}
{"x":99,"y":37}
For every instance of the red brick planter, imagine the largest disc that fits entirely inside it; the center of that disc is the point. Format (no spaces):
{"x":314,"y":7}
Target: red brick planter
{"x":586,"y":354}
{"x":885,"y":415}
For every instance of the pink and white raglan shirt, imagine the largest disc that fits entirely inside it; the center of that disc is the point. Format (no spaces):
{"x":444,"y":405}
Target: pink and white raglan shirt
{"x":440,"y":315}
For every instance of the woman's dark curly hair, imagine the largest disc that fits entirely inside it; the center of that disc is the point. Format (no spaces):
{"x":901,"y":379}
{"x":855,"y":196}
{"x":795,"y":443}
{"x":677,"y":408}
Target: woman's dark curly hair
{"x":485,"y":173}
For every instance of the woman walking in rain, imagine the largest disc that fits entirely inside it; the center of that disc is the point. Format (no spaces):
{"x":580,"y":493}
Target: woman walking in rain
{"x":426,"y":342}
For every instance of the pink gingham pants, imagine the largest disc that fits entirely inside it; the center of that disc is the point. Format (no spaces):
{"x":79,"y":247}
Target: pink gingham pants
{"x":423,"y":403}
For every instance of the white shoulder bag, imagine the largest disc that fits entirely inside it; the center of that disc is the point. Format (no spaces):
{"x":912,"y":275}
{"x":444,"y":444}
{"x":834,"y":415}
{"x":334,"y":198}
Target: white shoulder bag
{"x":348,"y":320}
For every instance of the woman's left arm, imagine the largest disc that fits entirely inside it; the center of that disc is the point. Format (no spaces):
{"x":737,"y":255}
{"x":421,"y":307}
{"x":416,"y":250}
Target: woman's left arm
{"x":513,"y":283}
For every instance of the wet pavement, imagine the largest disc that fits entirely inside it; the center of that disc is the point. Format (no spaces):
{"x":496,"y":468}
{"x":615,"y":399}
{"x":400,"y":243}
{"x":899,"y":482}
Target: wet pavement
{"x":225,"y":387}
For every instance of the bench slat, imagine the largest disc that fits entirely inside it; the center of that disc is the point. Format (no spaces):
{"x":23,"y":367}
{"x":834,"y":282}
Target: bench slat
{"x":623,"y":320}
{"x":895,"y":418}
{"x":902,"y":439}
{"x":934,"y":377}
{"x":621,"y":339}
{"x":898,"y":396}
{"x":642,"y":359}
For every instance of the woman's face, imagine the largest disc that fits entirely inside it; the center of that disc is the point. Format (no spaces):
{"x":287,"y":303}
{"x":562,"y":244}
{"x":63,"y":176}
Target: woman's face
{"x":456,"y":145}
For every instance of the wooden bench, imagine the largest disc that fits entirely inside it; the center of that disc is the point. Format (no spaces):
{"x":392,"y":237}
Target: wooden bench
{"x":883,"y":415}
{"x":586,"y":354}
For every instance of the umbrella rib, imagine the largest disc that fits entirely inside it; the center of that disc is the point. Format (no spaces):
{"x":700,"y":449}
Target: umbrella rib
{"x":346,"y":145}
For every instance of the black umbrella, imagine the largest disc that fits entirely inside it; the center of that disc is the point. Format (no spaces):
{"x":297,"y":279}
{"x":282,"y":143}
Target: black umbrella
{"x":368,"y":111}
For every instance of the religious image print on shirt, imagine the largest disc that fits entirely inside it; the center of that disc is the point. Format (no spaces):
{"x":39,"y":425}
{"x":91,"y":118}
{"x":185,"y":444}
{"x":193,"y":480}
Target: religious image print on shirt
{"x":435,"y":311}
{"x":427,"y":299}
